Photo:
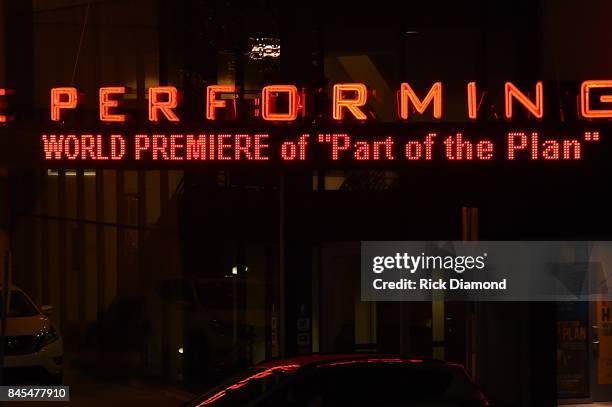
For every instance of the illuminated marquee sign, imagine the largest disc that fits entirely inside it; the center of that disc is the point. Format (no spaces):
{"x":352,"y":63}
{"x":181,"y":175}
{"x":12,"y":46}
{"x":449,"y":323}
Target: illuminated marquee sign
{"x":283,"y":129}
{"x":339,"y":146}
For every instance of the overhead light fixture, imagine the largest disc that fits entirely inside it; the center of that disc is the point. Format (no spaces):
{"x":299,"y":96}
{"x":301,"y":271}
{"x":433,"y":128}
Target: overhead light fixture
{"x":235,"y":270}
{"x":71,"y":173}
{"x":264,"y":48}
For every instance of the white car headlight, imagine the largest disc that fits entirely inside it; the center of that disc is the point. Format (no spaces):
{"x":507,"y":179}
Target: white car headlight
{"x":48,"y":337}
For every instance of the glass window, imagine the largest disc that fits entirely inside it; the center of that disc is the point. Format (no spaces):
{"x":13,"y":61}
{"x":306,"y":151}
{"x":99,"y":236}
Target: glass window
{"x":19,"y":305}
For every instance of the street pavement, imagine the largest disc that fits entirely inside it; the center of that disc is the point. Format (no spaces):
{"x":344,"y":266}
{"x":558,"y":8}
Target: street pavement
{"x":99,"y":385}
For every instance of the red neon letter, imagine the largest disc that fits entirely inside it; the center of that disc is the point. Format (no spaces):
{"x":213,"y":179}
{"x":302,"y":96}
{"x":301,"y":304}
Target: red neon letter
{"x":62,"y":98}
{"x":471,"y":98}
{"x":585,"y":106}
{"x":536,"y":109}
{"x":407,"y":94}
{"x":106,"y":104}
{"x":267,"y":98}
{"x":212,"y":103}
{"x":3,"y":118}
{"x":340,"y":102}
{"x":156,"y":106}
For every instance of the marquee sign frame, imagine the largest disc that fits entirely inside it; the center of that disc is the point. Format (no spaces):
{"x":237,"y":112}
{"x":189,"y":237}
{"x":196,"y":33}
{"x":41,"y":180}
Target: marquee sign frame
{"x":282,"y":130}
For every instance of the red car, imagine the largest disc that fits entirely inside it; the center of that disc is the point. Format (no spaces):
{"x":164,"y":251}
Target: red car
{"x":348,"y":380}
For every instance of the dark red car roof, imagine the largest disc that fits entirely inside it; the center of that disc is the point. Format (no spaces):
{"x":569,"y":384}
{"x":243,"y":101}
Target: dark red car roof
{"x":305,"y":360}
{"x":320,"y":360}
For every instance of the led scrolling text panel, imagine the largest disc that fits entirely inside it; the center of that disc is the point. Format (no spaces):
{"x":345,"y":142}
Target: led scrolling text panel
{"x":286,"y":103}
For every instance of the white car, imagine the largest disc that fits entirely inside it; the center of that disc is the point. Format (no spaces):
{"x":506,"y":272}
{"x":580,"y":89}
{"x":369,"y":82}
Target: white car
{"x":33,"y":348}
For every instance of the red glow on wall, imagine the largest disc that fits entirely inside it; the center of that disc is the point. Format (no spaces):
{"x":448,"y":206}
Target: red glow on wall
{"x":62,"y":98}
{"x":341,"y":102}
{"x":409,"y":98}
{"x":535,"y":108}
{"x":4,"y":92}
{"x":585,"y":105}
{"x":106,"y":103}
{"x":163,"y":99}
